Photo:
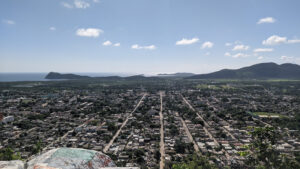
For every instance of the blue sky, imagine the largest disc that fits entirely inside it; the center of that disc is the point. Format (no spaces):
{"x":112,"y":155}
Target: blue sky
{"x":146,"y":36}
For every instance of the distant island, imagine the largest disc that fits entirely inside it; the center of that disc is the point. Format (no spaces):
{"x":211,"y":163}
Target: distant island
{"x":55,"y":75}
{"x":257,"y":71}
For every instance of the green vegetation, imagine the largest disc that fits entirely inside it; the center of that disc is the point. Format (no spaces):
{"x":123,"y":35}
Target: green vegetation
{"x":38,"y":116}
{"x":261,"y":153}
{"x":205,"y":86}
{"x":173,"y":130}
{"x":214,"y":87}
{"x":182,"y":147}
{"x":195,"y":162}
{"x":37,"y":147}
{"x":290,"y":123}
{"x":94,"y":122}
{"x":7,"y":154}
{"x":257,"y":71}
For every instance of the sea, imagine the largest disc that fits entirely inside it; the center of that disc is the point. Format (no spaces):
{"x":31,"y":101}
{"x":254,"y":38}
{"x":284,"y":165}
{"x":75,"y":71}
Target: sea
{"x":16,"y":77}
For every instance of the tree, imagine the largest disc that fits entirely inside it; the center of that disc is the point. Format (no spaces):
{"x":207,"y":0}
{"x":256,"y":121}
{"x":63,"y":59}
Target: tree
{"x":195,"y":162}
{"x":261,"y":153}
{"x":179,"y":146}
{"x":157,"y":155}
{"x":112,"y":127}
{"x":37,"y":147}
{"x":139,"y":153}
{"x":173,"y":130}
{"x":7,"y":154}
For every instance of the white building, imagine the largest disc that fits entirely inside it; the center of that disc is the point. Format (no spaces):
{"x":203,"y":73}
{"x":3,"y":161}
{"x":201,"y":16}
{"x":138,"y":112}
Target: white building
{"x":8,"y":119}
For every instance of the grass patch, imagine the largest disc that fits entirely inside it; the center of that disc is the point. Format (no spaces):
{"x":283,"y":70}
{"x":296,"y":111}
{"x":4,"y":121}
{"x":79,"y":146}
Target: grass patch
{"x":214,"y":87}
{"x":266,"y":114}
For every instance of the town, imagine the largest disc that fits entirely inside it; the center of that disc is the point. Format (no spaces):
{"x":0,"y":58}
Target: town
{"x":149,"y":124}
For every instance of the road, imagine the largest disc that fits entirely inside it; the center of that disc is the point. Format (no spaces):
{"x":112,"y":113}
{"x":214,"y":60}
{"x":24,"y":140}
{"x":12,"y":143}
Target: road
{"x":106,"y":148}
{"x":187,"y":131}
{"x":222,"y":127}
{"x":162,"y":143}
{"x":205,"y":123}
{"x":205,"y":127}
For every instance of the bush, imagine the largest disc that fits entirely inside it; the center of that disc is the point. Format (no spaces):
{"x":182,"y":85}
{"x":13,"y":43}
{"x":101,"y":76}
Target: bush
{"x":195,"y":162}
{"x":7,"y":154}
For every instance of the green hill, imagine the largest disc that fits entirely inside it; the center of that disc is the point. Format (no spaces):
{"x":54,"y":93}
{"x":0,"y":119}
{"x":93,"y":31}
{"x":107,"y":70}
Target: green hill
{"x":257,"y":71}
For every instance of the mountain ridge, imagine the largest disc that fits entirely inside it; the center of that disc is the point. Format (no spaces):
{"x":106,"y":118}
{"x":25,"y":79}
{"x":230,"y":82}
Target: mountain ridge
{"x":70,"y":76}
{"x":268,"y":70}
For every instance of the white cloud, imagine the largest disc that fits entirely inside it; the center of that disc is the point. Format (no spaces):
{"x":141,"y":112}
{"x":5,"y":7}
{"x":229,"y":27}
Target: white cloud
{"x":81,"y":4}
{"x":66,"y":5}
{"x":263,"y":50}
{"x":96,"y":1}
{"x":150,"y":47}
{"x":293,"y":41}
{"x":286,"y":57}
{"x":136,"y":46}
{"x":274,"y":40}
{"x":266,"y":20}
{"x":52,"y":28}
{"x":89,"y":32}
{"x":240,"y":47}
{"x":240,"y":55}
{"x":207,"y":53}
{"x":107,"y":43}
{"x":187,"y":41}
{"x":9,"y":22}
{"x":207,"y":45}
{"x":117,"y":44}
{"x":227,"y":54}
{"x":228,"y":44}
{"x":260,"y":57}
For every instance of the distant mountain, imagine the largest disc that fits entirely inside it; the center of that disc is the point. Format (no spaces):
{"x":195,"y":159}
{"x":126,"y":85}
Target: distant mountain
{"x":55,"y":75}
{"x":141,"y":78}
{"x":257,"y":71}
{"x":183,"y":74}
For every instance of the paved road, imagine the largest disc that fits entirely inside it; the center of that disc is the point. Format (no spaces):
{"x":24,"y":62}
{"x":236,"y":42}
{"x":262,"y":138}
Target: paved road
{"x":205,"y":128}
{"x":187,"y":131}
{"x":162,"y":143}
{"x":205,"y":123}
{"x":223,"y":128}
{"x":106,"y":148}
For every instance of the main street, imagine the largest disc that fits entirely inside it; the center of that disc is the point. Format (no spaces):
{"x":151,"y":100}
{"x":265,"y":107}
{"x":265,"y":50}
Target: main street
{"x":106,"y":148}
{"x":162,"y":143}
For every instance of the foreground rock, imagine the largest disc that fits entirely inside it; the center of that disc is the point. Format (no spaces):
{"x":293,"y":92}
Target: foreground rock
{"x":16,"y":164}
{"x":63,"y":158}
{"x":69,"y":158}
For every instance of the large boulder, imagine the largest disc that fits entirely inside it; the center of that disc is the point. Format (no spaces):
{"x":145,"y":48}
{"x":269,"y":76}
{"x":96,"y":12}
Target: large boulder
{"x":16,"y":164}
{"x":70,"y":158}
